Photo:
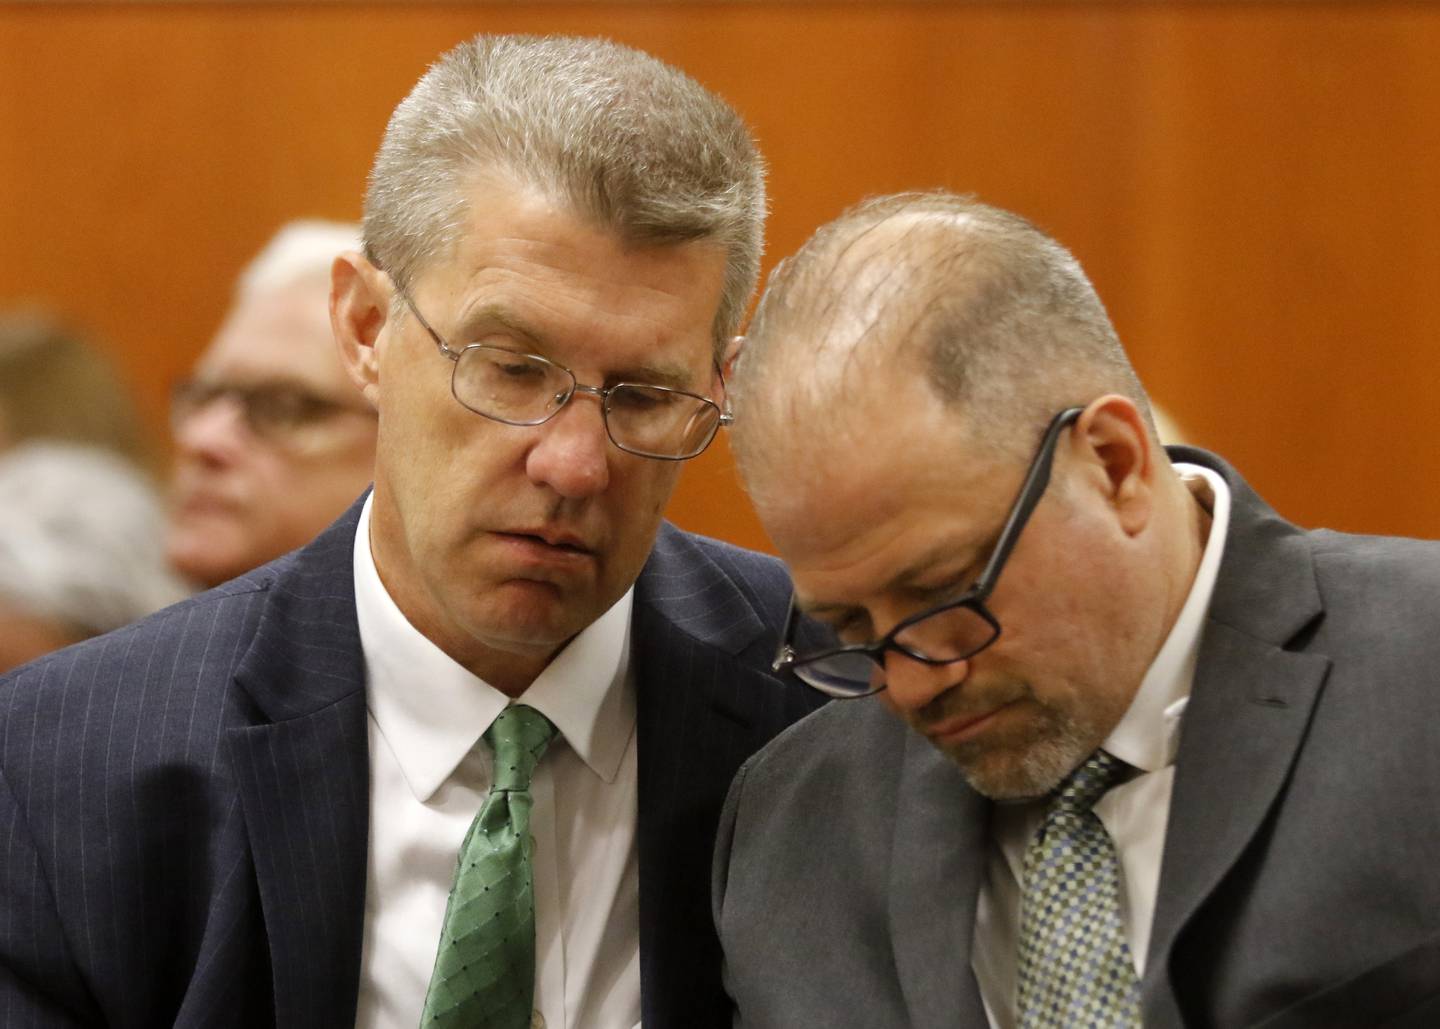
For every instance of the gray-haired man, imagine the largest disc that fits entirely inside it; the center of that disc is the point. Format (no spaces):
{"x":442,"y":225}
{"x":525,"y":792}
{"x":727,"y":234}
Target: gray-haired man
{"x":1172,"y":759}
{"x":460,"y":760}
{"x":272,"y":439}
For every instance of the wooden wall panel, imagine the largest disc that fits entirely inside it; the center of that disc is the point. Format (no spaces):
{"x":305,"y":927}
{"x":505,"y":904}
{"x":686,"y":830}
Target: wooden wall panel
{"x":1252,"y":185}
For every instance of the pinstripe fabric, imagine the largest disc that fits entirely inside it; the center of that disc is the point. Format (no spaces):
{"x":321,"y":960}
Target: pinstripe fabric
{"x":704,"y":632}
{"x":183,"y":803}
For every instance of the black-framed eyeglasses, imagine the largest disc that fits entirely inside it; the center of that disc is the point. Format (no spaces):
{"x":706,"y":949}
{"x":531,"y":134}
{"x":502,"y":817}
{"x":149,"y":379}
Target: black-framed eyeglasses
{"x":517,"y":388}
{"x":273,"y":410}
{"x":953,"y":631}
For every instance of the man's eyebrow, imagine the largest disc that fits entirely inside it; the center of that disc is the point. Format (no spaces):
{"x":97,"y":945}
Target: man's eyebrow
{"x":491,"y":316}
{"x":257,"y":382}
{"x":959,"y":559}
{"x":673,"y":376}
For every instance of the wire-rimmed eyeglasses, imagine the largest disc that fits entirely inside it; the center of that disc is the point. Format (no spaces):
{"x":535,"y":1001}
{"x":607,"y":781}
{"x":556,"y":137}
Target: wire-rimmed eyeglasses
{"x":517,"y":388}
{"x":953,"y":631}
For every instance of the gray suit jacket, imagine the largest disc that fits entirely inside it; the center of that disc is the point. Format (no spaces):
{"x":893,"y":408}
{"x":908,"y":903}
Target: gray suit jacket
{"x":1300,"y":885}
{"x":184,"y":814}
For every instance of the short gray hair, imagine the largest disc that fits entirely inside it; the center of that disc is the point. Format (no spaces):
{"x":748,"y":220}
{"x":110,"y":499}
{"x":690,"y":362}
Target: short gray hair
{"x":620,"y":137}
{"x":301,"y":251}
{"x":1003,"y":320}
{"x":81,"y":539}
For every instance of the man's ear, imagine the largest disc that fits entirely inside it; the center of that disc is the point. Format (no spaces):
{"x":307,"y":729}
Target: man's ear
{"x":732,"y":354}
{"x":1113,"y":431}
{"x":359,"y":306}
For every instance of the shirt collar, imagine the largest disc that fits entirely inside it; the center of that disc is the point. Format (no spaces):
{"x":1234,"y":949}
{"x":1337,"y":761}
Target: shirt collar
{"x":432,"y":711}
{"x":1149,"y":733}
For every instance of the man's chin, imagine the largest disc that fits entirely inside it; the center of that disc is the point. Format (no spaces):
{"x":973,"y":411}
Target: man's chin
{"x":532,"y":618}
{"x":204,"y":561}
{"x":1017,"y":771}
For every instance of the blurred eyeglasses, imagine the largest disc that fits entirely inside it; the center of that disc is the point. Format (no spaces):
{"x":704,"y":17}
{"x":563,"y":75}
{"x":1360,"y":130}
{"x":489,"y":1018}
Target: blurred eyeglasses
{"x":272,"y":410}
{"x":944,"y":634}
{"x":526,"y":389}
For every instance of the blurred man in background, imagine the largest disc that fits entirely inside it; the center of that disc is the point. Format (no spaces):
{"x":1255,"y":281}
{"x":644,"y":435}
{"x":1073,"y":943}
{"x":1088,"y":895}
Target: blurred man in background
{"x":272,"y":440}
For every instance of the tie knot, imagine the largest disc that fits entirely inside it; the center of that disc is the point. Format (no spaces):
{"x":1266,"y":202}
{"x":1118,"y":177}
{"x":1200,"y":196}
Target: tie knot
{"x":518,"y":737}
{"x":1079,"y":791}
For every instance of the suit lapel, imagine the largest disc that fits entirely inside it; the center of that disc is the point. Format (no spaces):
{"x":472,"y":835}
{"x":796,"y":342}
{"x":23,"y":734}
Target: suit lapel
{"x":1249,"y":709}
{"x":938,"y":860}
{"x":302,"y":771}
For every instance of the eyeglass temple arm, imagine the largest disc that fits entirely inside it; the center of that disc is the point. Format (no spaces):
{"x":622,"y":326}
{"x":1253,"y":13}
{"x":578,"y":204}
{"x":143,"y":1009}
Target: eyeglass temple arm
{"x":727,"y":418}
{"x":439,"y":341}
{"x":785,"y":652}
{"x":1029,"y":495}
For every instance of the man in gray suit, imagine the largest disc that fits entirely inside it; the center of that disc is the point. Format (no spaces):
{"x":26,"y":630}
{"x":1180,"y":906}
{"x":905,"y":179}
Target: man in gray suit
{"x":314,"y":797}
{"x":1161,"y":756}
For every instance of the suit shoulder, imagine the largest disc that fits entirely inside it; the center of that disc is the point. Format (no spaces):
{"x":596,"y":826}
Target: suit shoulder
{"x":174,"y":660}
{"x":761,"y":577}
{"x":839,"y":742}
{"x":1388,"y":554}
{"x":1393,"y":578}
{"x":677,"y":543}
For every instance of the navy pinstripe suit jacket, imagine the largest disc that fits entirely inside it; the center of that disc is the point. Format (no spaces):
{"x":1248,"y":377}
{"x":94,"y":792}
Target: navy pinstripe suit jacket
{"x":184,"y":803}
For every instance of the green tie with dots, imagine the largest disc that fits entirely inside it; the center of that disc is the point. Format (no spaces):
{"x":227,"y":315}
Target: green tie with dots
{"x":485,"y":966}
{"x":1075,"y":966}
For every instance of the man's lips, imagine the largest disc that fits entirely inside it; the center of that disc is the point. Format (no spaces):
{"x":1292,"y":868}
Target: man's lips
{"x":203,"y":502}
{"x":557,"y":538}
{"x":546,"y":543}
{"x":963,"y":727}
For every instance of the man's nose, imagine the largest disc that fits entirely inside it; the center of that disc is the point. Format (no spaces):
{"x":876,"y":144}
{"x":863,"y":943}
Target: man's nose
{"x":911,"y":685}
{"x":216,"y":431}
{"x":572,"y":454}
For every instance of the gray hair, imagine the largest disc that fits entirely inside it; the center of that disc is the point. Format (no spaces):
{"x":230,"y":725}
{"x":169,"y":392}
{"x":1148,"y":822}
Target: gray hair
{"x":1001,"y":318}
{"x":620,"y":137}
{"x":301,"y":251}
{"x":81,"y":539}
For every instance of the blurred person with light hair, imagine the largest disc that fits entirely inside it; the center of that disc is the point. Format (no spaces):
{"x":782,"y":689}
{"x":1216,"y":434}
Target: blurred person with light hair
{"x":272,"y":441}
{"x":81,"y":548}
{"x":56,"y":386}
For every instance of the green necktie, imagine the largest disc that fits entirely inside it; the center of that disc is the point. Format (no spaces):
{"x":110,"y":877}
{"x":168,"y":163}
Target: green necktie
{"x":485,"y":966}
{"x":1075,"y":966}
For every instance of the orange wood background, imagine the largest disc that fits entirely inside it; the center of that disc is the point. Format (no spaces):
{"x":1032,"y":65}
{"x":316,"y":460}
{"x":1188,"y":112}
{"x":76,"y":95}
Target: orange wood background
{"x":1253,"y":186}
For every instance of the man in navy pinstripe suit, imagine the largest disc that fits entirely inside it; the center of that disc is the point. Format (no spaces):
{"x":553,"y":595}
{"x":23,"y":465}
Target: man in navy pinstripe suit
{"x":246,"y":810}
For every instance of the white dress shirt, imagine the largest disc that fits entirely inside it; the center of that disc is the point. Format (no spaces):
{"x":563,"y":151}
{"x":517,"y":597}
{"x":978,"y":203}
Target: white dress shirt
{"x":1134,"y":812}
{"x":429,"y":775}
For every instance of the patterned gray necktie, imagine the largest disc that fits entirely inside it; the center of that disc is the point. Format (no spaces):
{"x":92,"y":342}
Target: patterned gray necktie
{"x":485,"y":965}
{"x":1075,"y":966}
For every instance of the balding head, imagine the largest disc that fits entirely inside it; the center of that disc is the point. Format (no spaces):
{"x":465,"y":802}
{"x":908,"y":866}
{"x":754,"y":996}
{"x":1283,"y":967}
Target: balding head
{"x":890,"y":410}
{"x":997,"y":317}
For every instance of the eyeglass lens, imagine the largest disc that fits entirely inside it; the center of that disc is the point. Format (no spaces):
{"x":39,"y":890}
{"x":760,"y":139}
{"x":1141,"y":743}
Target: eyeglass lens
{"x":523,"y":389}
{"x":949,"y":634}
